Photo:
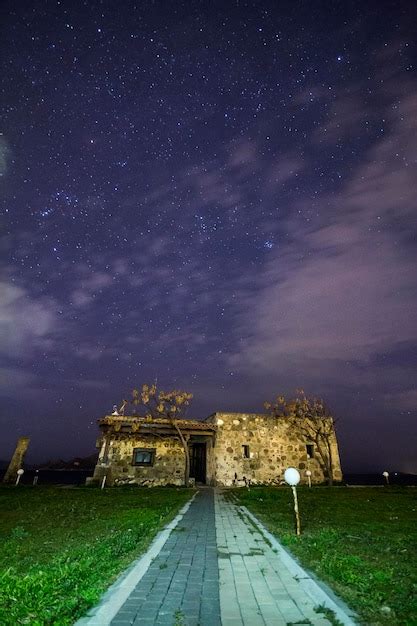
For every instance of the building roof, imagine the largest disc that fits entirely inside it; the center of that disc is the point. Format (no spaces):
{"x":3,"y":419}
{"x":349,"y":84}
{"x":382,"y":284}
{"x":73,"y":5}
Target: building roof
{"x":237,"y":413}
{"x":157,"y":423}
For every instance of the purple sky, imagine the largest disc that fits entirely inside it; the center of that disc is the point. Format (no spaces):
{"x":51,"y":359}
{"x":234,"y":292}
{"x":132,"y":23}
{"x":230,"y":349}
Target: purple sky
{"x":219,"y":196}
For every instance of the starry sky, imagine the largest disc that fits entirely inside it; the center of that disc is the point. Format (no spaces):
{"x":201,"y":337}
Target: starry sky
{"x":217,"y":195}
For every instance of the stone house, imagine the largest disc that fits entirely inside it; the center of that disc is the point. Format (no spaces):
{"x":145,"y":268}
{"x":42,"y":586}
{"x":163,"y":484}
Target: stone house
{"x":225,"y":449}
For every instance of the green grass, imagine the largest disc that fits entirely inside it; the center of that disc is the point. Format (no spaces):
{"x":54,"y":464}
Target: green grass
{"x":361,"y":541}
{"x":60,"y":548}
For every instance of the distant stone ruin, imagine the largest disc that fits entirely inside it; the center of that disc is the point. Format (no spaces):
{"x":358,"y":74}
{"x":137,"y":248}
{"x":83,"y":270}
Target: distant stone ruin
{"x":17,"y":460}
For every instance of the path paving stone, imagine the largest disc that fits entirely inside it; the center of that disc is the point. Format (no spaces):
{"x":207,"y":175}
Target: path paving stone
{"x":256,"y":587}
{"x":181,"y":586}
{"x":217,"y":568}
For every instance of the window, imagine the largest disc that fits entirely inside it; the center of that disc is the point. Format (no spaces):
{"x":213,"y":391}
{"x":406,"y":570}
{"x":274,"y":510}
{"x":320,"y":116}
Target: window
{"x":310,"y":450}
{"x":143,"y":456}
{"x":245,"y":452}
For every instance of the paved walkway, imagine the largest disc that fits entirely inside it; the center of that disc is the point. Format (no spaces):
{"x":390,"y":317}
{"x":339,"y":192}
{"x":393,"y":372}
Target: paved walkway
{"x":181,"y":586}
{"x":220,"y":567}
{"x":256,"y":587}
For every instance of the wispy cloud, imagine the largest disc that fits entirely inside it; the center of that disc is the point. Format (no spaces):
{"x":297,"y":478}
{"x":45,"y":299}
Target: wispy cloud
{"x":344,"y":291}
{"x":283,"y":170}
{"x":346,"y":118}
{"x":90,"y":285}
{"x":26,"y":321}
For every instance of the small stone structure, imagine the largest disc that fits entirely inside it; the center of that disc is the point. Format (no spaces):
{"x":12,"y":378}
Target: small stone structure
{"x":17,"y":460}
{"x":226,"y":449}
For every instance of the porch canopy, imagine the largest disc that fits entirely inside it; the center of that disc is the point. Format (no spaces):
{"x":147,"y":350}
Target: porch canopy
{"x":120,"y":424}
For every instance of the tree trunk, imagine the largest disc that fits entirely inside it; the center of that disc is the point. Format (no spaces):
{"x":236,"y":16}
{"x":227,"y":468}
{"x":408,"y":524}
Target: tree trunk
{"x":186,"y":454}
{"x":323,"y":458}
{"x":326,"y":455}
{"x":330,"y":457}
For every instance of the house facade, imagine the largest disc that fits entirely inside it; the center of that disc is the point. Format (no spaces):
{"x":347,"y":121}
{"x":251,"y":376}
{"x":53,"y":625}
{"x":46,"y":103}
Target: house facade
{"x":225,"y":449}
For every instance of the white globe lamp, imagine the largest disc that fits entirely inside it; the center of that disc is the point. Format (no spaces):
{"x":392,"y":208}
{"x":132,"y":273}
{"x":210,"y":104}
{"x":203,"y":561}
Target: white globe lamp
{"x":292,"y":476}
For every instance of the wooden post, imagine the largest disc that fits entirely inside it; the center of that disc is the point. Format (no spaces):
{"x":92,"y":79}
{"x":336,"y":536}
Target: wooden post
{"x":297,"y":515}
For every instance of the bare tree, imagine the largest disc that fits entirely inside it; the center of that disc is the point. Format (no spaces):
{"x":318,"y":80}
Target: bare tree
{"x":171,"y":405}
{"x":311,"y":418}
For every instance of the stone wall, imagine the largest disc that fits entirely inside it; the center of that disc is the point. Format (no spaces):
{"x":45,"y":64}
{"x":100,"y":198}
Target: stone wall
{"x":246,"y":447}
{"x":16,"y":462}
{"x":116,"y":461}
{"x":272,"y":447}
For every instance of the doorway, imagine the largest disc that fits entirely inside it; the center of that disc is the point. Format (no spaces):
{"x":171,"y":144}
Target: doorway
{"x":198,"y":462}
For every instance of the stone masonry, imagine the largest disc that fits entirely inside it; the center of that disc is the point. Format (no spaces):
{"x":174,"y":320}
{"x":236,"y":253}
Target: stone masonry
{"x":226,"y":449}
{"x":259,"y":448}
{"x":168,"y":467}
{"x":17,"y":460}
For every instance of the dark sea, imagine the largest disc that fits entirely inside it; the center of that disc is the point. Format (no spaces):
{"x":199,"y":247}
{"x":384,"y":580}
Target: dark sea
{"x":395,"y":478}
{"x":54,"y":477}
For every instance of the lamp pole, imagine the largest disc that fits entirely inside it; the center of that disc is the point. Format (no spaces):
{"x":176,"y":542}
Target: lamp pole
{"x":20,"y":473}
{"x":386,"y":477}
{"x":292,"y":478}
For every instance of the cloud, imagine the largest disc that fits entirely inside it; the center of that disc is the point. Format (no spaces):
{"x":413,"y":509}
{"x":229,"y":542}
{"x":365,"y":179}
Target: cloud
{"x":89,"y":351}
{"x":346,"y":118}
{"x":90,"y":286}
{"x":121,"y":266}
{"x":243,"y":154}
{"x":343,"y":303}
{"x":30,"y":326}
{"x":26,"y":322}
{"x":283,"y":170}
{"x":404,"y":400}
{"x":386,"y":183}
{"x":212,"y":187}
{"x":12,"y":378}
{"x":343,"y":291}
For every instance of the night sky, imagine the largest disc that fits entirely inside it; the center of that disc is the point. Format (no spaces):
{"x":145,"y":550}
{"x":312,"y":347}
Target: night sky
{"x":220,"y":195}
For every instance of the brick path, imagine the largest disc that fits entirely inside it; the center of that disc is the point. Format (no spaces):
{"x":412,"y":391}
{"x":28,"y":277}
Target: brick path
{"x":219,"y":568}
{"x":256,"y":587}
{"x":181,"y":586}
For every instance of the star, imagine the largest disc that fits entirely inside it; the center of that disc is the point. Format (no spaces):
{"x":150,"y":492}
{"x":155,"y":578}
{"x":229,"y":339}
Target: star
{"x":198,"y":195}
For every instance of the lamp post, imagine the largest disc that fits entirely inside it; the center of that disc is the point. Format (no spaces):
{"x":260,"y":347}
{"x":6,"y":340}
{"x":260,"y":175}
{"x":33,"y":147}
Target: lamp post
{"x":308,"y":474}
{"x":36,"y":478}
{"x":386,"y":477}
{"x":105,"y":466}
{"x":20,"y":473}
{"x":292,"y":478}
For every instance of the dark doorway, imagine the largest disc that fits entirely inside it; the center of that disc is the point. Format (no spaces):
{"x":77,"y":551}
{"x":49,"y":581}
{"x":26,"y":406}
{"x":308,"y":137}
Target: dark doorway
{"x":198,"y":462}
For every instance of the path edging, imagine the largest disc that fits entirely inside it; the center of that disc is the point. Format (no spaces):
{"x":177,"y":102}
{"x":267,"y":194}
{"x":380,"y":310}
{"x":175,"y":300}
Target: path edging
{"x":117,"y":594}
{"x":310,"y":586}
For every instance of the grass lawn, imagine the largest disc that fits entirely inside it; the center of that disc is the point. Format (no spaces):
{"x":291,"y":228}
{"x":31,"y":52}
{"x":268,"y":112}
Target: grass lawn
{"x":362,"y":541}
{"x":60,"y":548}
